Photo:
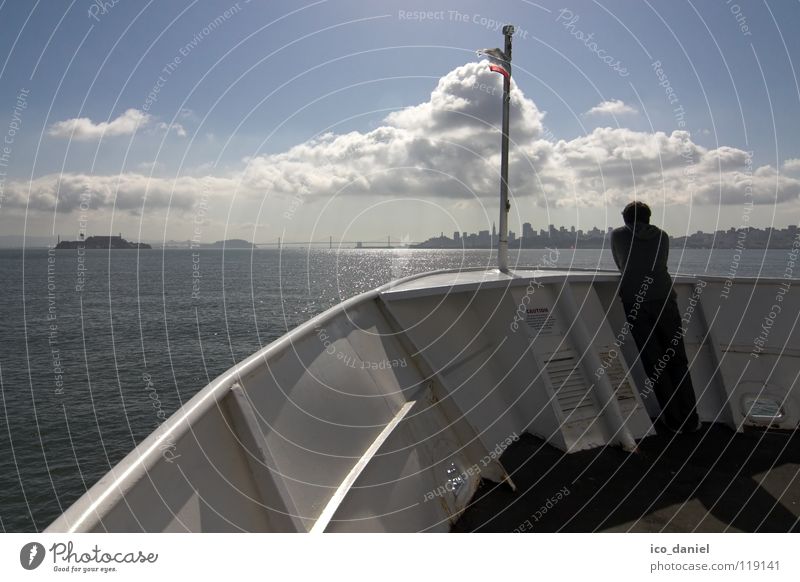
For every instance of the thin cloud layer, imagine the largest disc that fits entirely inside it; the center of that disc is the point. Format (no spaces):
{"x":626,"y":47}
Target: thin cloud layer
{"x":448,"y":147}
{"x":131,"y":192}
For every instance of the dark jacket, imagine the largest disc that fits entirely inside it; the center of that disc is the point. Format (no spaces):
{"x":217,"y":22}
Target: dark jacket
{"x":641,"y":253}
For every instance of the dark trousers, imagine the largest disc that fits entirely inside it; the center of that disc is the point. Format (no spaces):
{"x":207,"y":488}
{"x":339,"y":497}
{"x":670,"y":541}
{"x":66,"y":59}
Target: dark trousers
{"x":656,"y":328}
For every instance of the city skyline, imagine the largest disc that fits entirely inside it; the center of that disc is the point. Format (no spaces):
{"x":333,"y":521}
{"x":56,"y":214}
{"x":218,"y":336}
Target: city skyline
{"x":742,"y":237}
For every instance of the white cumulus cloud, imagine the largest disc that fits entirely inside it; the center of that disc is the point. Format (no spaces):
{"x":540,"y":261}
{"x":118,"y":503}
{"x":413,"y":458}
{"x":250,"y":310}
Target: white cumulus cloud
{"x":132,"y":120}
{"x":791,"y":165}
{"x":84,"y":129}
{"x":179,"y":130}
{"x":448,"y":147}
{"x":612,"y":107}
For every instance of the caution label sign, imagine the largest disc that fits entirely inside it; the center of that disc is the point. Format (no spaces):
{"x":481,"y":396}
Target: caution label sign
{"x":540,"y":319}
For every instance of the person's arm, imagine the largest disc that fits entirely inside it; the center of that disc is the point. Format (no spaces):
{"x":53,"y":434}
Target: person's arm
{"x":664,"y":250}
{"x":615,"y":251}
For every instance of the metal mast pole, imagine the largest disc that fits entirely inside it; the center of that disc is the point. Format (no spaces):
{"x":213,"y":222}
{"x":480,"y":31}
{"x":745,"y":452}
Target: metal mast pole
{"x":502,"y":251}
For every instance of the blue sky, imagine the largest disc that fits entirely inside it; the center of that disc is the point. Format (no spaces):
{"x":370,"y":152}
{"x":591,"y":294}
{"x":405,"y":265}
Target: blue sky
{"x":255,"y":81}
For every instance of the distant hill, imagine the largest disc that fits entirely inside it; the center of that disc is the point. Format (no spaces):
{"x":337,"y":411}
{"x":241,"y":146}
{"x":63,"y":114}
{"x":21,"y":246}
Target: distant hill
{"x":231,"y":243}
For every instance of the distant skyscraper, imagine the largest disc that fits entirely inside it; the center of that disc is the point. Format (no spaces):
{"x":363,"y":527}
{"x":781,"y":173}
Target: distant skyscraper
{"x":457,"y":236}
{"x":527,"y":230}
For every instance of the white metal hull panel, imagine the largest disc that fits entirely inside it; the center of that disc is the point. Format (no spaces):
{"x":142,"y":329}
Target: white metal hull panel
{"x":487,"y":370}
{"x":755,"y":332}
{"x":200,"y":483}
{"x":320,"y":407}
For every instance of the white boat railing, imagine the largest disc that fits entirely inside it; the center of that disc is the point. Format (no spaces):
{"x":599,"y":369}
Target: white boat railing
{"x":298,"y":438}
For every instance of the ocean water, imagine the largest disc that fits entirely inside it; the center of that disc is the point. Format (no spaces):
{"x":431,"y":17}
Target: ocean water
{"x":96,"y":351}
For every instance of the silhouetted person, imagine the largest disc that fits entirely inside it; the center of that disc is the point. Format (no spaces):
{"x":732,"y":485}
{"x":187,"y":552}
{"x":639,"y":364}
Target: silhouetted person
{"x":640,"y":251}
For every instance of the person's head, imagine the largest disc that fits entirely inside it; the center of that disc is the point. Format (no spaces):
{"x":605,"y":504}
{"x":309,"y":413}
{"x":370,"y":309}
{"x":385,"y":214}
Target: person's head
{"x":636,"y":212}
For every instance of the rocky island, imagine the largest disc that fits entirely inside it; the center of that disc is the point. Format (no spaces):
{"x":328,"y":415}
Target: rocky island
{"x":101,"y":243}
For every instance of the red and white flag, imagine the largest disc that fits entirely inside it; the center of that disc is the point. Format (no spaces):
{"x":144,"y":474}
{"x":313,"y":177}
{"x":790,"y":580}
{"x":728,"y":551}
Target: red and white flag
{"x":498,"y":62}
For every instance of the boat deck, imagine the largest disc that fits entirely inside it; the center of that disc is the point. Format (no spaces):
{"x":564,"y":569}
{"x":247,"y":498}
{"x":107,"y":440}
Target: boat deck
{"x":711,"y":481}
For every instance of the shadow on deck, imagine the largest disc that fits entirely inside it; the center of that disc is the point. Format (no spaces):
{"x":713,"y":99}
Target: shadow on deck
{"x":711,"y":481}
